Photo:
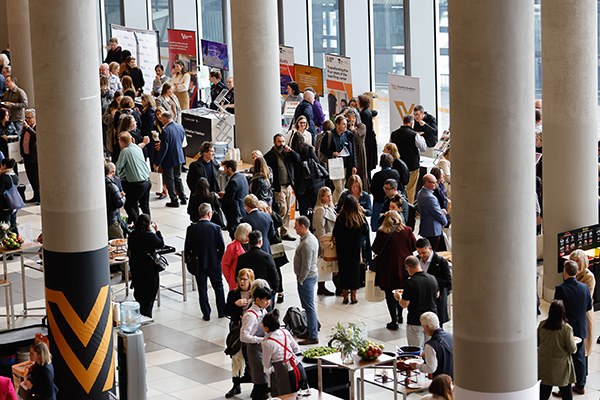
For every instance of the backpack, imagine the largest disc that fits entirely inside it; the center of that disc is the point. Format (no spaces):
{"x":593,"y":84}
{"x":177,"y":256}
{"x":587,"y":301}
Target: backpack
{"x":295,"y":321}
{"x":322,"y":157}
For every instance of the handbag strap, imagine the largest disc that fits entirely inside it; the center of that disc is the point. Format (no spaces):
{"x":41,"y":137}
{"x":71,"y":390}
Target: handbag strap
{"x":146,"y":251}
{"x":388,"y":238}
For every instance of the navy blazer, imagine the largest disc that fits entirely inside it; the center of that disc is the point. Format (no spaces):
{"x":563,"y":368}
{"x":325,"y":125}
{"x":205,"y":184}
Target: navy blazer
{"x":433,"y":219}
{"x":232,"y":201}
{"x":204,"y":241}
{"x":577,"y":300}
{"x":171,"y":150}
{"x":261,"y":221}
{"x":306,"y":109}
{"x":440,"y":269}
{"x":261,"y":263}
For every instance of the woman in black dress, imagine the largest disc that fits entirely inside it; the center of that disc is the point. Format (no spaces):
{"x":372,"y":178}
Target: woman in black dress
{"x":41,"y":382}
{"x":6,"y":129}
{"x":202,"y":194}
{"x":136,"y":75}
{"x":350,"y":232}
{"x":366,"y":117}
{"x":143,"y":243}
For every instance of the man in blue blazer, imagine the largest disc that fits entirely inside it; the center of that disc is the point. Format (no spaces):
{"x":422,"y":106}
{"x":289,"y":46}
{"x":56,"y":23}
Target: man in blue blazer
{"x":433,"y":218}
{"x":204,"y":248}
{"x":577,"y":300}
{"x":232,"y":199}
{"x":170,"y":157}
{"x":260,"y":221}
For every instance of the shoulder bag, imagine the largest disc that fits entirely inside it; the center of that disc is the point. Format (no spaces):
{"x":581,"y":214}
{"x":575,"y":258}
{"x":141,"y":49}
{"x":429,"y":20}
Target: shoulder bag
{"x":373,"y":263}
{"x":160,"y":261}
{"x":14,"y":201}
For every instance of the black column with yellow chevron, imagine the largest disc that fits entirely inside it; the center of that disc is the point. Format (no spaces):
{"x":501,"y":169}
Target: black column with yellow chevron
{"x":65,"y":53}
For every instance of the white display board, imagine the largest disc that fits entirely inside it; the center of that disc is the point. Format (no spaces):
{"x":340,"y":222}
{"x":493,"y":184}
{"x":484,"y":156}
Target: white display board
{"x":405,"y":94}
{"x":143,"y":44}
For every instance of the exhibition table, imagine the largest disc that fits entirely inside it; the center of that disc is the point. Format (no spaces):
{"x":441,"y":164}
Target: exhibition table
{"x":359,"y":365}
{"x":30,"y":247}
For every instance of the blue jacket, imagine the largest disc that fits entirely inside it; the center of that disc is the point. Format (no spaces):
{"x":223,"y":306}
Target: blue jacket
{"x":433,"y":219}
{"x":577,"y":300}
{"x":204,"y":240}
{"x":171,"y":150}
{"x":262,"y":222}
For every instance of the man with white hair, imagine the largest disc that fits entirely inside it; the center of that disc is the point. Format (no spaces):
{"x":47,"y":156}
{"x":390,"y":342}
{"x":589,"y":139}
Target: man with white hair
{"x":438,"y":350}
{"x":104,"y":70}
{"x":305,"y":109}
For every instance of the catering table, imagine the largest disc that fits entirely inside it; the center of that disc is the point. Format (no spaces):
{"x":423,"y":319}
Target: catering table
{"x":419,"y":382}
{"x":358,"y":365}
{"x":30,"y":247}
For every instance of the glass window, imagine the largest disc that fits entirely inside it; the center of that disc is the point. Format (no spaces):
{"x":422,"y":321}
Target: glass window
{"x":161,"y":22}
{"x":113,"y":11}
{"x":444,"y":68}
{"x":388,"y":27}
{"x":325,"y":29}
{"x":538,"y":49}
{"x":212,"y":20}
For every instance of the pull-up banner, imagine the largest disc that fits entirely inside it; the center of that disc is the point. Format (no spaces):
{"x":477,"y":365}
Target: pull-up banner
{"x":182,"y":46}
{"x":405,"y":94}
{"x":286,"y":67}
{"x":339,"y":80}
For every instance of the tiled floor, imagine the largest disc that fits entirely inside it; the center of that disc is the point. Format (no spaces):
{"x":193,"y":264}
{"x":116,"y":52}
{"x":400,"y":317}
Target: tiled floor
{"x":184,"y":354}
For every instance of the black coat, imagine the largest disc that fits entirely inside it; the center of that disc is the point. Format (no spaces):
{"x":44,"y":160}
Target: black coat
{"x":261,"y":188}
{"x":42,"y":380}
{"x":261,"y":221}
{"x":114,"y":201}
{"x":309,"y":178}
{"x":204,"y":242}
{"x":261,"y":263}
{"x":289,"y":158}
{"x":378,"y":181}
{"x":232,"y":310}
{"x":349,"y":243}
{"x":195,"y":201}
{"x":440,"y":269}
{"x":306,"y":109}
{"x":233,"y":199}
{"x":32,"y":143}
{"x":429,"y":129}
{"x":577,"y":300}
{"x":143,"y":268}
{"x":197,"y":171}
{"x":114,"y":55}
{"x":366,"y":117}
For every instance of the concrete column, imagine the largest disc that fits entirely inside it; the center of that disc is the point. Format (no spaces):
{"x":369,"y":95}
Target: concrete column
{"x":72,"y":188}
{"x":256,"y":71}
{"x":570,"y":116}
{"x":493,"y":189}
{"x":17,"y":12}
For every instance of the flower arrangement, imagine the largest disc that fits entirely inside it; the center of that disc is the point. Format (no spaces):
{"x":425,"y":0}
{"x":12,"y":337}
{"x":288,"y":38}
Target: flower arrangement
{"x":347,"y":339}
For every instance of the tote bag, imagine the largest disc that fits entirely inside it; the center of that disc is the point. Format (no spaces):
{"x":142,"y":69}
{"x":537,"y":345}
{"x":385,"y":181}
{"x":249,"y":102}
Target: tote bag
{"x":13,"y":199}
{"x":373,"y":293}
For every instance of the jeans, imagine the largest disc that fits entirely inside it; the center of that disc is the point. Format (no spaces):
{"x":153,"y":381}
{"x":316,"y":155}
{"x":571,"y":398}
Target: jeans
{"x":214,"y":274}
{"x":172,"y":178}
{"x":306,"y":291}
{"x":579,"y":364}
{"x":565,"y":391}
{"x":137,"y":192}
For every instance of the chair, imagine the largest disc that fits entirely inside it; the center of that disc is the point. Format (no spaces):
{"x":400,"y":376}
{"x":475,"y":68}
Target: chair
{"x":10,"y":315}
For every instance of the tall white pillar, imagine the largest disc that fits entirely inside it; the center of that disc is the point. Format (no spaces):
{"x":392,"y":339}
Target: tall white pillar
{"x":17,"y":19}
{"x":570,"y":117}
{"x":493,"y":198}
{"x":256,"y":72}
{"x":64,"y":45}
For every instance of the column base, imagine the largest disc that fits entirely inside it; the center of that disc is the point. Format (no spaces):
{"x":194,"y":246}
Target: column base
{"x":527,"y":394}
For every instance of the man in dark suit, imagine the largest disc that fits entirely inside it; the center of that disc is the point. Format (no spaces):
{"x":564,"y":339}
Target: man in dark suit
{"x":258,"y":261}
{"x":29,"y":152}
{"x":436,"y":265}
{"x":377,"y":189}
{"x":170,"y":157}
{"x":577,"y":300}
{"x":427,"y":124}
{"x":259,"y":221}
{"x":433,"y":218}
{"x":204,"y":248}
{"x":306,"y":108}
{"x":232,"y":199}
{"x":409,"y":144}
{"x":281,"y":159}
{"x":204,"y":167}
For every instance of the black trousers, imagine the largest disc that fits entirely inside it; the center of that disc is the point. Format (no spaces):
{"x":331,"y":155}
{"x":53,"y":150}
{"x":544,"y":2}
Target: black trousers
{"x":393,"y":305}
{"x":546,"y":391}
{"x":33,"y":175}
{"x":172,"y":178}
{"x":137,"y":193}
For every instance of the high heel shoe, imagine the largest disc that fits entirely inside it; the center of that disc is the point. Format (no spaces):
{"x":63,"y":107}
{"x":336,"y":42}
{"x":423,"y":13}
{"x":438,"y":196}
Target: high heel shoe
{"x":345,"y":301}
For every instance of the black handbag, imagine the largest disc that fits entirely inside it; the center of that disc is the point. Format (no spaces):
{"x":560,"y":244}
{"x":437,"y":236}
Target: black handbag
{"x":373,"y":263}
{"x":160,"y":261}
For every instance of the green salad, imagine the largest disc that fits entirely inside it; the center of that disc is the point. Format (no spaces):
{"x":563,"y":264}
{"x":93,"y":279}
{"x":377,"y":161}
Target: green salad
{"x":315,"y":352}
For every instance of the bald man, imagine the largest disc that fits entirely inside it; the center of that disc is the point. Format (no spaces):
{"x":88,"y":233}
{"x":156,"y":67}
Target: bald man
{"x":306,"y":108}
{"x":433,"y":218}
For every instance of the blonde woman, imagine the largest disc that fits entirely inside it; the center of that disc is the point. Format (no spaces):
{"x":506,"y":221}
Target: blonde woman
{"x":584,"y":275}
{"x":41,"y":382}
{"x":181,"y":84}
{"x":323,"y":222}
